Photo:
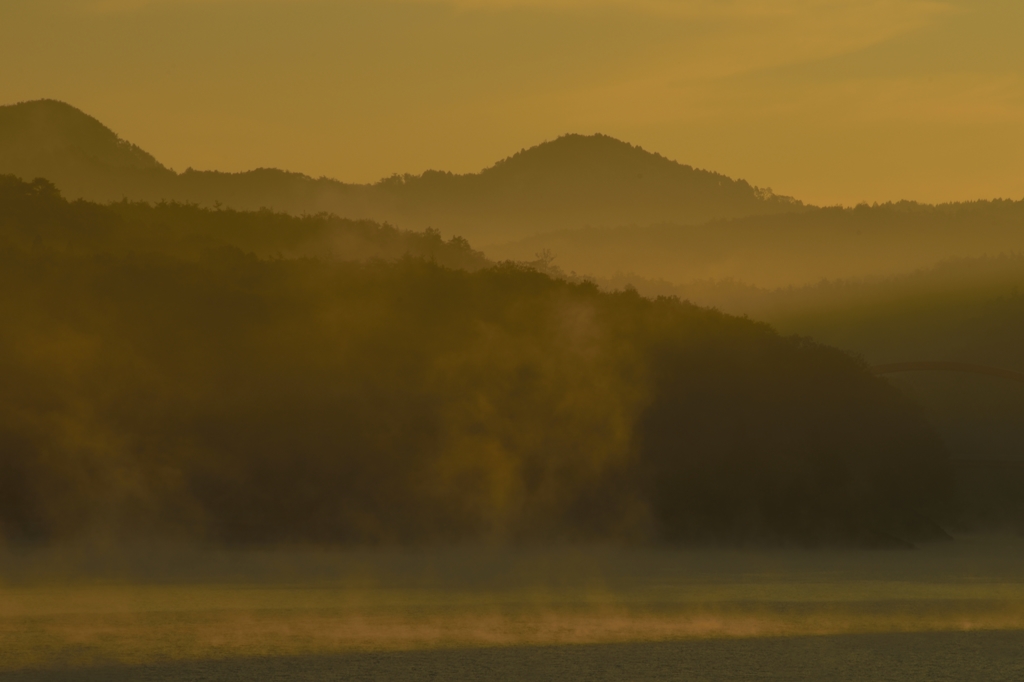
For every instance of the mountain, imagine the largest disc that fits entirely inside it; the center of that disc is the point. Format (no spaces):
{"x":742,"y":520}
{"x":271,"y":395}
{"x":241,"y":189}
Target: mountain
{"x":54,"y":140}
{"x":166,"y":372}
{"x":966,"y":310}
{"x":571,"y":182}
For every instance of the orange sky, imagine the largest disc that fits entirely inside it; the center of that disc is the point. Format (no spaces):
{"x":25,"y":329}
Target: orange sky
{"x":832,"y":101}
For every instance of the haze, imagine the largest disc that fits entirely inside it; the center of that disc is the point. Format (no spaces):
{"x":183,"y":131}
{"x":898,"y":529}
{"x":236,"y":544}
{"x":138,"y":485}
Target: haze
{"x":526,"y":339}
{"x":831,"y":102}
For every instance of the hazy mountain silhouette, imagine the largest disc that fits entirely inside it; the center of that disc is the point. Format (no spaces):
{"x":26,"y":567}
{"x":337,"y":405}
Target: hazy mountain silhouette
{"x":54,"y":140}
{"x":794,"y":249}
{"x":570,"y":182}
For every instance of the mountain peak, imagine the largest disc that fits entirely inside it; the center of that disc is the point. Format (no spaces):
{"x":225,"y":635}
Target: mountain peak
{"x":587,"y":151}
{"x":50,"y":128}
{"x":614,"y":165}
{"x":577,"y":148}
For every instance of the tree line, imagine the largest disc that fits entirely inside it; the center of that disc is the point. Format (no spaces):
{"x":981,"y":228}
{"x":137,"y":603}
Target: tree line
{"x":172,"y":371}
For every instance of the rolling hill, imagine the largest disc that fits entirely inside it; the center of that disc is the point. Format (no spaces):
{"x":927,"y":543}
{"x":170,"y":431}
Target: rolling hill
{"x":571,"y":182}
{"x":159,"y":377}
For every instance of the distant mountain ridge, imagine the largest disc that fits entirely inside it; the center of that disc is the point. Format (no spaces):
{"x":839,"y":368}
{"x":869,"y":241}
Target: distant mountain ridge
{"x":571,"y":182}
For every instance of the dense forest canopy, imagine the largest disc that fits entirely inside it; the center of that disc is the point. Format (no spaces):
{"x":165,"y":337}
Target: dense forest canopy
{"x":184,"y":372}
{"x":968,"y":310}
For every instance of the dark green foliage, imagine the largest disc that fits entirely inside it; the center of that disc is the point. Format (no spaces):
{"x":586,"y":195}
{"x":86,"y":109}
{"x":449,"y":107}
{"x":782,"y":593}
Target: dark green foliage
{"x":164,"y":372}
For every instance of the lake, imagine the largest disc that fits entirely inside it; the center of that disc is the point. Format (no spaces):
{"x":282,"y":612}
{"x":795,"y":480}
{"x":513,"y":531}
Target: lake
{"x":951,"y":611}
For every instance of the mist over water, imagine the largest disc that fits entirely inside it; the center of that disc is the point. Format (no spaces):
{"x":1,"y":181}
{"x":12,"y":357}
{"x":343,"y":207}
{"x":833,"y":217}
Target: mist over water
{"x":590,"y":413}
{"x":161,"y":612}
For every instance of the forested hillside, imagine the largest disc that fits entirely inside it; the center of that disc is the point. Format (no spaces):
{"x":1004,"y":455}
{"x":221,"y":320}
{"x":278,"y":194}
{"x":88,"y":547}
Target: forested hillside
{"x":967,"y":310}
{"x":181,"y":372}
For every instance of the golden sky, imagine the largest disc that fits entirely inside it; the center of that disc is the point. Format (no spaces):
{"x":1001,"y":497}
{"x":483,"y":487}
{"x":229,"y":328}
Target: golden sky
{"x":832,"y":101}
